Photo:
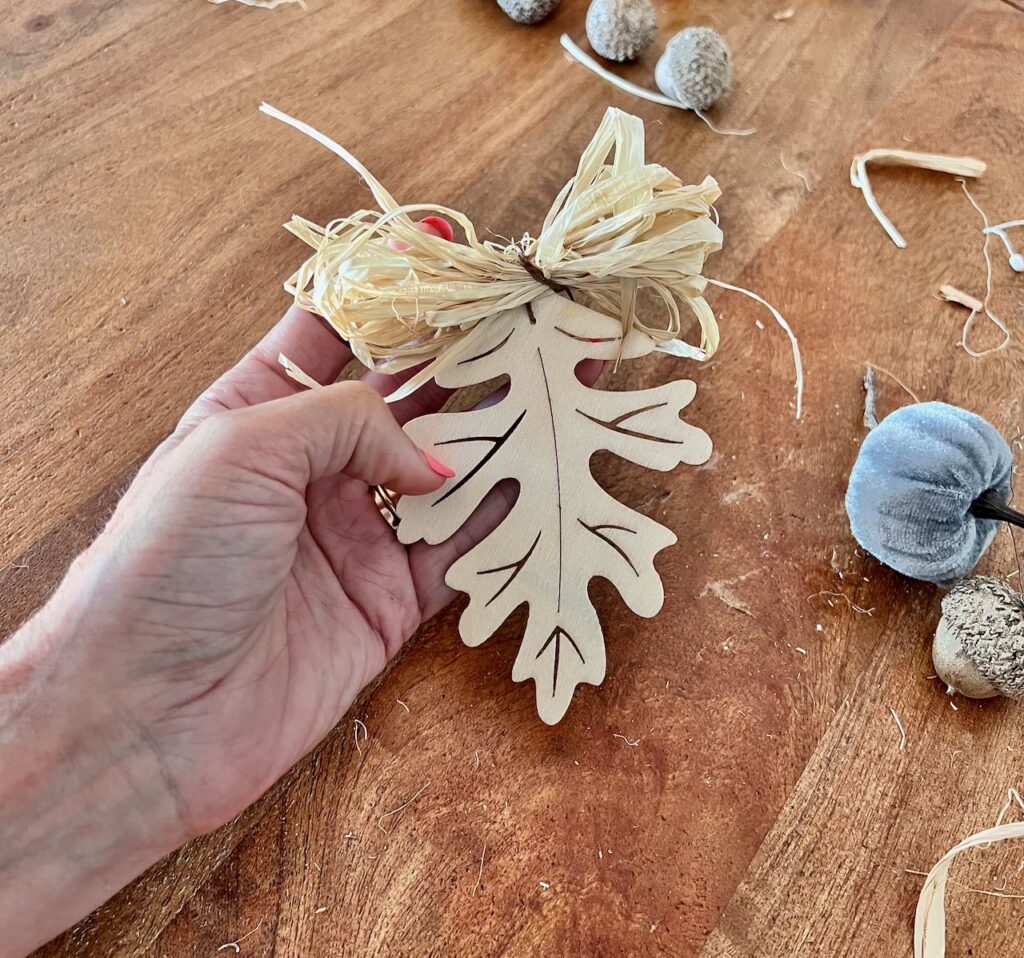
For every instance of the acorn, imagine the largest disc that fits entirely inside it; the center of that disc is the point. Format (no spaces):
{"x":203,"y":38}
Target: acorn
{"x":979,"y":643}
{"x":695,"y":69}
{"x":621,"y":29}
{"x":528,"y":11}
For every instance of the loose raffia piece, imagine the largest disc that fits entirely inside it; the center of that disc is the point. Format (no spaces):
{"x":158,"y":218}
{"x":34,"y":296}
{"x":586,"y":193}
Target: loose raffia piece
{"x":1016,"y":259}
{"x":985,"y":307}
{"x":956,"y":165}
{"x":930,"y":920}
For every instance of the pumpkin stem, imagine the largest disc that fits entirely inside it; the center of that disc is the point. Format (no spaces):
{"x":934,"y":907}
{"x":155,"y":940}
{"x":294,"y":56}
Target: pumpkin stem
{"x":989,"y":505}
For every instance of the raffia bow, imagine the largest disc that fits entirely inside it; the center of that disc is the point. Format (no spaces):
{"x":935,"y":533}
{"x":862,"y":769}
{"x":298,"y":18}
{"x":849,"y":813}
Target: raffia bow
{"x":401,"y":297}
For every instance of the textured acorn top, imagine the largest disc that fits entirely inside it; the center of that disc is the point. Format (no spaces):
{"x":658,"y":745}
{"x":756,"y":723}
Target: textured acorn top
{"x":528,"y":11}
{"x":912,"y":486}
{"x":621,"y":29}
{"x":987,"y":616}
{"x":695,"y":68}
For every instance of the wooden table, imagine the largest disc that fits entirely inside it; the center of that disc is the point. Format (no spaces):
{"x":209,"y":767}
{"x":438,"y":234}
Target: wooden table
{"x":765,"y":808}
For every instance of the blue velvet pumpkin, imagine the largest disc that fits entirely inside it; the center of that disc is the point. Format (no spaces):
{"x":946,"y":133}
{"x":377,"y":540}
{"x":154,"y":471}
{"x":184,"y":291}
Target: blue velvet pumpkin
{"x":911,"y":489}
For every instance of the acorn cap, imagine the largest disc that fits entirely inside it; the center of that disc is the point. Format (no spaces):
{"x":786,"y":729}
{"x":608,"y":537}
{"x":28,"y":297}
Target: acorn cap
{"x":528,"y":11}
{"x":695,"y":69}
{"x":983,"y":620}
{"x":621,"y":29}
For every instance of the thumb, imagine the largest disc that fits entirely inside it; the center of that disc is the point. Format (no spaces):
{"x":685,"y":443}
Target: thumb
{"x":344,"y":428}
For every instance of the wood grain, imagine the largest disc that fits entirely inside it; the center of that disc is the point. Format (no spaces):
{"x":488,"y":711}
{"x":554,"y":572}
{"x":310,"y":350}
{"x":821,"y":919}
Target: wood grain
{"x":831,"y":877}
{"x":137,"y":168}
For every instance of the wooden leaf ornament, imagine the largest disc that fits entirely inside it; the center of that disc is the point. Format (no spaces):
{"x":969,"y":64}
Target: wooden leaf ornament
{"x":564,"y":529}
{"x":463,"y":312}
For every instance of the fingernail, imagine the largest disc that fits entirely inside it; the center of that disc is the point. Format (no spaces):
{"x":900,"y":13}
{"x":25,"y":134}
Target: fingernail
{"x":431,"y":225}
{"x":439,"y":467}
{"x":437,"y":225}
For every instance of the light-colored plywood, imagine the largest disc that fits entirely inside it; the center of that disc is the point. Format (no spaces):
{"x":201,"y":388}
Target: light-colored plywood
{"x":563,"y":529}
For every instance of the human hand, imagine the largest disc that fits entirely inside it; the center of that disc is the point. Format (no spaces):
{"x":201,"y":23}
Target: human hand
{"x":244,"y":592}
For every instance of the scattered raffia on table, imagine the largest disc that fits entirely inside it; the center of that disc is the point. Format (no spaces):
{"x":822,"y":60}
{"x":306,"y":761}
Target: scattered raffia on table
{"x":402,"y":297}
{"x":956,"y":165}
{"x":930,"y":920}
{"x":961,"y":167}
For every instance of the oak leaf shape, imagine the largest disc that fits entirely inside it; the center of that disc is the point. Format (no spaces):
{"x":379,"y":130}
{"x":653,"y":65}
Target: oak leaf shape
{"x":563,"y":528}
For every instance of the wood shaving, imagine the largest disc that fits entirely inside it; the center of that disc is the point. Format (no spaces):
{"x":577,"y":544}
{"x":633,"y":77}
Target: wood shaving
{"x":870,"y":416}
{"x":899,"y":725}
{"x":264,"y":4}
{"x":629,"y":742}
{"x":639,"y":91}
{"x":930,"y":919}
{"x":953,"y":295}
{"x":798,"y":173}
{"x":357,"y":724}
{"x":955,"y":165}
{"x":618,"y":226}
{"x":401,"y":808}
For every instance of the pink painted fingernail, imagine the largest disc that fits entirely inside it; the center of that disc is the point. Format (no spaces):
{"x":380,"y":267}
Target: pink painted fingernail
{"x":439,"y":467}
{"x":431,"y":225}
{"x":438,"y":226}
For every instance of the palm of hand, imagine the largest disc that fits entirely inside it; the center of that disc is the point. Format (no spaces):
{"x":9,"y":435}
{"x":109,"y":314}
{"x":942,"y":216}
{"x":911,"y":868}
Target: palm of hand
{"x":270,"y":657}
{"x":260,"y":603}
